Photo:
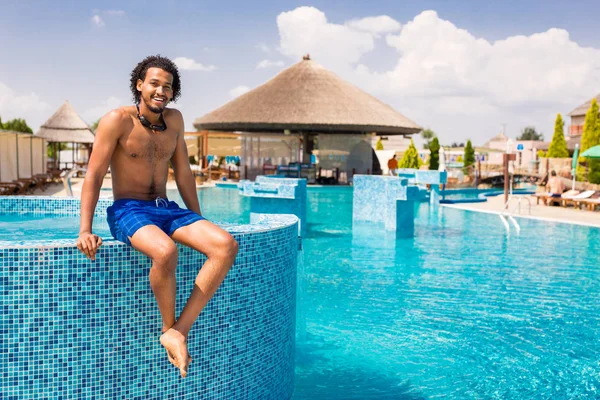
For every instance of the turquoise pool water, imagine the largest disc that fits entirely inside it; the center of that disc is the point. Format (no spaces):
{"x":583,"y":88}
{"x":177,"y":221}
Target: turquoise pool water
{"x":460,"y":311}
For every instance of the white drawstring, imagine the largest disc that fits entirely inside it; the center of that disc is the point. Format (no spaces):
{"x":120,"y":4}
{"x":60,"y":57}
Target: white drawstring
{"x":161,"y":202}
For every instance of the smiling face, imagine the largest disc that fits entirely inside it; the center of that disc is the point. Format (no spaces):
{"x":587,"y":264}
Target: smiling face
{"x":156,"y":89}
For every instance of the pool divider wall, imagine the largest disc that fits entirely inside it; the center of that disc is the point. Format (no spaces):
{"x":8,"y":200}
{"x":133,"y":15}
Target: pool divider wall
{"x":387,"y":200}
{"x":426,"y":181}
{"x":405,"y":213}
{"x":80,"y":329}
{"x":274,"y":195}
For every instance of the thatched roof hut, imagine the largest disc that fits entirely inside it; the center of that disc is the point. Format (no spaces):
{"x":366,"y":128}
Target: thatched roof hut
{"x":307,"y":98}
{"x":583,"y":109}
{"x":65,"y":125}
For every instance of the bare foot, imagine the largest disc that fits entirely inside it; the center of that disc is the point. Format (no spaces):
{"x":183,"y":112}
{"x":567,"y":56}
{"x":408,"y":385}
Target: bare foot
{"x":169,"y":355}
{"x":174,"y":342}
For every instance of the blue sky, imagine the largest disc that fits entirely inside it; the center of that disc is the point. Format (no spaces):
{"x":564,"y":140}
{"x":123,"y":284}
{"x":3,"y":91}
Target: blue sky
{"x":462,"y":68}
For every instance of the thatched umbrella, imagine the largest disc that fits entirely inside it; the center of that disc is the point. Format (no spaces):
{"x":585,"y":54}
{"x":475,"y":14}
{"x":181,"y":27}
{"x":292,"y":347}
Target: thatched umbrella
{"x":307,"y":98}
{"x":65,"y":126}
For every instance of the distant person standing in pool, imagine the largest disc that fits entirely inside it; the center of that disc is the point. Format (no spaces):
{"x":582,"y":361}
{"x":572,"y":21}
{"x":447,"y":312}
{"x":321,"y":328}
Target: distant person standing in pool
{"x":392,"y":165}
{"x":138,"y":142}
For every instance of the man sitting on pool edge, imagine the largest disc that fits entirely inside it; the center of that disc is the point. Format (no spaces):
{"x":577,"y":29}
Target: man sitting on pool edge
{"x":138,"y":142}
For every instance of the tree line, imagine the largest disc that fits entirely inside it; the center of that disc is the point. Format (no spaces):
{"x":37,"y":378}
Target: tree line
{"x":15,"y":125}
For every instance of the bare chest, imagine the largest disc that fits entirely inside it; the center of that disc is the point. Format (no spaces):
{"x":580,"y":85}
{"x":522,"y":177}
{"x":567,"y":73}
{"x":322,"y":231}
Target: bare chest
{"x":145,"y":145}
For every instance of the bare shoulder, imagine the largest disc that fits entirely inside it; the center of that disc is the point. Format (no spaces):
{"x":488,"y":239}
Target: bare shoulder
{"x":174,"y":116}
{"x":116,"y":121}
{"x":119,"y":116}
{"x":173,"y":113}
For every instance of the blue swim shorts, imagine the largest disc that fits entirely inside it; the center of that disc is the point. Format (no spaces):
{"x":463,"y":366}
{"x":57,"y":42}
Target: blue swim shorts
{"x":126,"y":216}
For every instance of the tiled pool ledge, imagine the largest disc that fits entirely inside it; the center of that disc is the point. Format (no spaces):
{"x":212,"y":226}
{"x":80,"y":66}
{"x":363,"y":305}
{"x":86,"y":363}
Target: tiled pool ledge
{"x":72,"y":328}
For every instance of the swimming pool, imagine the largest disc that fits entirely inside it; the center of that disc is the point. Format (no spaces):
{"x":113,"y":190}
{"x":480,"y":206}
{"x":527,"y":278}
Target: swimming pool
{"x":460,"y":311}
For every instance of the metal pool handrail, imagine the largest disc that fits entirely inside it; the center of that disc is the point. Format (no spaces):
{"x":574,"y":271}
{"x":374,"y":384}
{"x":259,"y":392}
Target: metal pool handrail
{"x":509,"y":215}
{"x":66,"y":178}
{"x":519,"y":198}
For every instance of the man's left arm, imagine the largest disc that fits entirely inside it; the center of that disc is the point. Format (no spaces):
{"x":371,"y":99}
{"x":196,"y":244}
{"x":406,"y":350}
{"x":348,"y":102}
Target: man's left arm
{"x":183,"y":173}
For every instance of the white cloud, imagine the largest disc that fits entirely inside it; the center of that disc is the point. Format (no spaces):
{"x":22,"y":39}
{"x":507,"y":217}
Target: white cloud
{"x":97,"y":21}
{"x":238,"y":91}
{"x":91,"y":115}
{"x":263,"y":47}
{"x":306,"y":30}
{"x":446,"y":78}
{"x":269,"y":63}
{"x":116,"y":13}
{"x":191,"y":65}
{"x":375,"y":25}
{"x":27,"y":106}
{"x":438,"y":58}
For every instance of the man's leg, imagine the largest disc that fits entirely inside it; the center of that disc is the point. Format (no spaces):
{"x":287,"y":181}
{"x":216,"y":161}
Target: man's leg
{"x":221,"y":250}
{"x":161,"y":249}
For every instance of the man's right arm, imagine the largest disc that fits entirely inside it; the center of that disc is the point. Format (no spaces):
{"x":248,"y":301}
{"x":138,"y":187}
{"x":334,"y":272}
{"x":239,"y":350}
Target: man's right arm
{"x":107,"y":137}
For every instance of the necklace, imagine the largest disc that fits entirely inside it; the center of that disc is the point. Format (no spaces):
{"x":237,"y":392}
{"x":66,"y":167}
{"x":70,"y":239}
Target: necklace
{"x":160,"y":128}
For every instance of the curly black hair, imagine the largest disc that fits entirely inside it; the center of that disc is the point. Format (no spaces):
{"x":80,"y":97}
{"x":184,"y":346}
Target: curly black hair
{"x":157,"y":61}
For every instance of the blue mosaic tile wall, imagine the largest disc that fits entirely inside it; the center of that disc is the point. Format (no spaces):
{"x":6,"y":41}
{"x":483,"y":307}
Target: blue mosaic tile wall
{"x":68,"y":206}
{"x":71,"y":328}
{"x":425,"y":177}
{"x":387,"y":200}
{"x":374,"y":198}
{"x":408,"y":173}
{"x":277,"y":196}
{"x":405,"y":213}
{"x":421,"y":178}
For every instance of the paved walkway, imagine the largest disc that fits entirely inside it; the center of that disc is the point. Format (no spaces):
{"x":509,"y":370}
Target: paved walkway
{"x":558,"y":214}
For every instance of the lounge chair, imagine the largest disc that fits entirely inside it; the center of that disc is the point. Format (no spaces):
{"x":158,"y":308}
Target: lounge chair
{"x":548,"y":199}
{"x":13,"y":188}
{"x":592,"y":202}
{"x":575,"y":199}
{"x":30,"y":184}
{"x":46,"y":179}
{"x":541,"y":196}
{"x":7,"y":189}
{"x":55,"y":175}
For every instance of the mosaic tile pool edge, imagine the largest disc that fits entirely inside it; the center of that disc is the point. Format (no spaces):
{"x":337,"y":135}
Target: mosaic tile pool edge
{"x":71,"y":328}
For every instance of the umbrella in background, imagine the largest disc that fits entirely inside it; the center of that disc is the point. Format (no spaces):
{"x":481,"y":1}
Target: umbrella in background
{"x":574,"y":164}
{"x":592,"y":152}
